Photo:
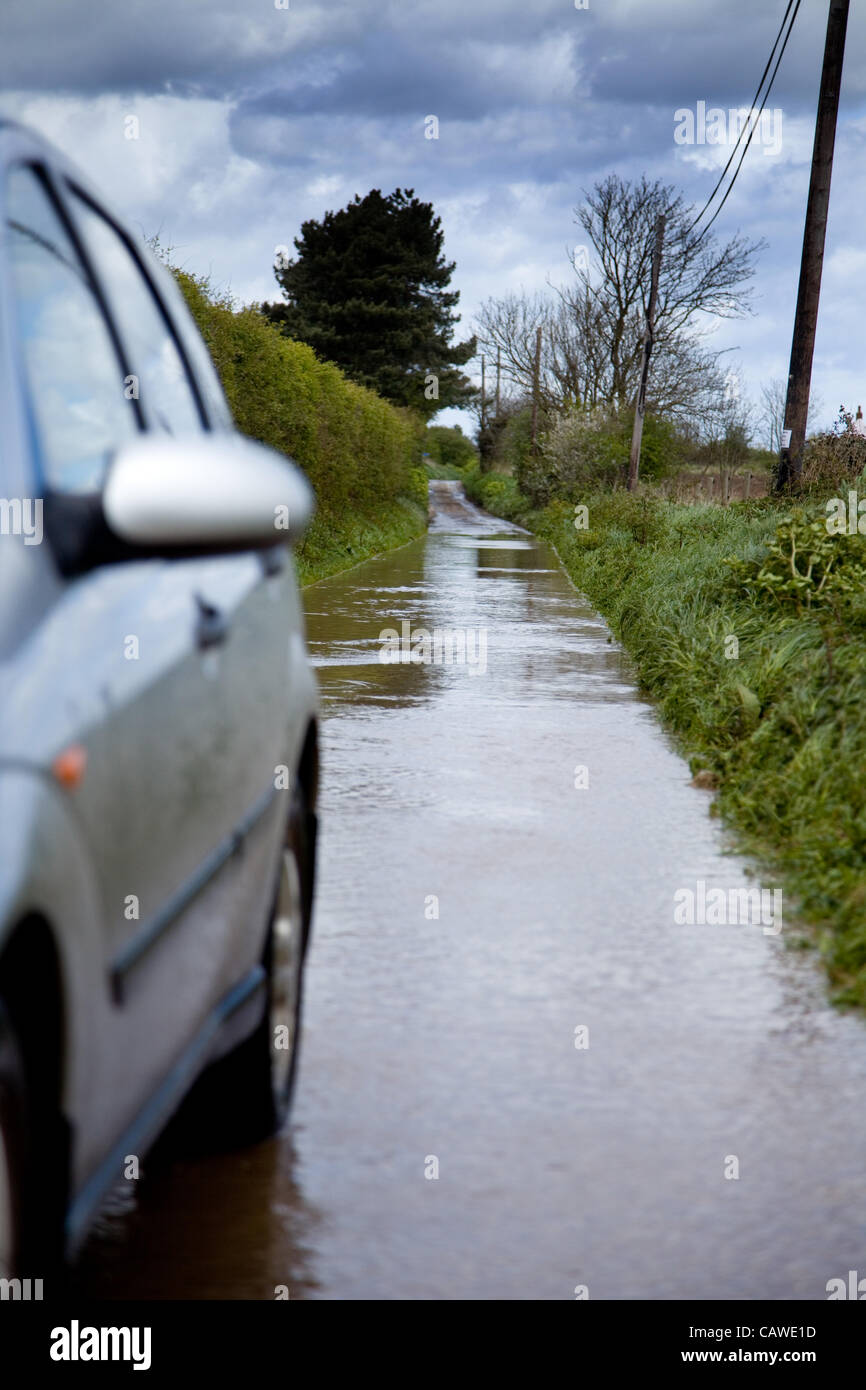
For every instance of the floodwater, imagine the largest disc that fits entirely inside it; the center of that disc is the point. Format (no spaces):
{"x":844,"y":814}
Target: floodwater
{"x":521,"y":1074}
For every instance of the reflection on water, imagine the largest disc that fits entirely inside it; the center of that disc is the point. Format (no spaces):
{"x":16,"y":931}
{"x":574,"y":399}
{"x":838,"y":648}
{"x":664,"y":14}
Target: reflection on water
{"x":222,"y":1226}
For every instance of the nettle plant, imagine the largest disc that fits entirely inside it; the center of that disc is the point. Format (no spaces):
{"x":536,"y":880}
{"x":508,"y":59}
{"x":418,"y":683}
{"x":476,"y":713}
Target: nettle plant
{"x":804,"y":567}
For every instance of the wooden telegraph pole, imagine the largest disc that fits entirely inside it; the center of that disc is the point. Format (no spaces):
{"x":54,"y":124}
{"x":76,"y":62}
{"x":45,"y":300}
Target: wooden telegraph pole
{"x":811,"y":264}
{"x":536,"y":378}
{"x":483,"y":392}
{"x":498,"y":376}
{"x":640,"y":405}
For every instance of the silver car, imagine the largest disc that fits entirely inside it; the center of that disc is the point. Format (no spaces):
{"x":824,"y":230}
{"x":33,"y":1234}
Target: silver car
{"x":158,"y":724}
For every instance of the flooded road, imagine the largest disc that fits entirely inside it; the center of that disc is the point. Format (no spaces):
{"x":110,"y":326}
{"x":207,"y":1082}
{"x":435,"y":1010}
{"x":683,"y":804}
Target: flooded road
{"x":525,"y":1070}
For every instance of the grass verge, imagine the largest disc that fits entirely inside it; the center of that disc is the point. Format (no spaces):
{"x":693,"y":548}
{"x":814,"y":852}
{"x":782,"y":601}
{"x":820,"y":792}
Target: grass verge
{"x":337,"y":543}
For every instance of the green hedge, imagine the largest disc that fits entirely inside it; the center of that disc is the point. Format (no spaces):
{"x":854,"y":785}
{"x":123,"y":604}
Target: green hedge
{"x":357,"y":450}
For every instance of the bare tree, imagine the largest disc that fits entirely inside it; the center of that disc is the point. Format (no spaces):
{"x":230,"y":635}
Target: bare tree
{"x":685,"y":382}
{"x":772,"y":411}
{"x":700,"y":279}
{"x":773,"y":396}
{"x":580,"y":346}
{"x":686,"y":378}
{"x":508,"y":326}
{"x":592,"y":329}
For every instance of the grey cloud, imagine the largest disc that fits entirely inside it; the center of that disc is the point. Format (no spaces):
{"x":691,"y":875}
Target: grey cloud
{"x":376,"y":59}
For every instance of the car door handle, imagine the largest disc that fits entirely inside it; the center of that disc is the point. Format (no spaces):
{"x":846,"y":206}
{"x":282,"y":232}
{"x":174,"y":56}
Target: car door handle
{"x":212,"y":625}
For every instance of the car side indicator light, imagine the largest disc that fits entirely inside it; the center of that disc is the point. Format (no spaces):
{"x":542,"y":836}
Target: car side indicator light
{"x":69,"y":766}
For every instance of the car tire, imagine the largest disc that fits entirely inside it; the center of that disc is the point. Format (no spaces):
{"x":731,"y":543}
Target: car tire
{"x":245,"y":1096}
{"x":13,"y":1150}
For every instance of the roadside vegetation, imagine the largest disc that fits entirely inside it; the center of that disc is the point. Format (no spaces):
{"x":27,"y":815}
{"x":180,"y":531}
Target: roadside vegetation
{"x":362,"y":455}
{"x":448,"y":452}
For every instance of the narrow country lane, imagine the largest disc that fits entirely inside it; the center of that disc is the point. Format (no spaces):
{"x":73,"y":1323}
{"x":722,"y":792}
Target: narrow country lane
{"x":475,"y":909}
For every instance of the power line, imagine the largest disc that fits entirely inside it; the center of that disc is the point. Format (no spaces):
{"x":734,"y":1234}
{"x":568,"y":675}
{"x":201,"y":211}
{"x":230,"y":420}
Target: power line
{"x":754,"y":127}
{"x":751,"y":109}
{"x":750,"y":123}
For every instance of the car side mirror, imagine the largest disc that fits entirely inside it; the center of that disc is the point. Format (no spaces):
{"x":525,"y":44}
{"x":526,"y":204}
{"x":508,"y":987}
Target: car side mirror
{"x":166,"y":496}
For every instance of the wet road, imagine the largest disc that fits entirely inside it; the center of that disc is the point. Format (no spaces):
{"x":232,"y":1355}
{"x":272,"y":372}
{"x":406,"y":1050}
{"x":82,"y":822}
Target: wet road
{"x":475,"y":909}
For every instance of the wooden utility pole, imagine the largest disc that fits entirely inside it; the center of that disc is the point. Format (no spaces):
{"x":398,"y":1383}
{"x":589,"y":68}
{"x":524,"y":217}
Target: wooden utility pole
{"x":812,"y":262}
{"x":498,"y":377}
{"x":482,"y":391}
{"x":640,"y":405}
{"x":536,"y":378}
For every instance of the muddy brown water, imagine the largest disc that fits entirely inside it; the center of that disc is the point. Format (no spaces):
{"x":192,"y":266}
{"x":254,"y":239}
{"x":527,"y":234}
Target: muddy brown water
{"x":480,"y":920}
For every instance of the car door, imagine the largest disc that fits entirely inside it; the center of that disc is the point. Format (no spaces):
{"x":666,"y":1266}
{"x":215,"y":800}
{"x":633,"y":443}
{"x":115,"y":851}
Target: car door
{"x":240,"y":607}
{"x":127,"y":651}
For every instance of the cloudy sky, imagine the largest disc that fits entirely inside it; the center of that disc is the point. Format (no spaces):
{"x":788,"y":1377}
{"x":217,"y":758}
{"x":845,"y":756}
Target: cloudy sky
{"x":252,"y":117}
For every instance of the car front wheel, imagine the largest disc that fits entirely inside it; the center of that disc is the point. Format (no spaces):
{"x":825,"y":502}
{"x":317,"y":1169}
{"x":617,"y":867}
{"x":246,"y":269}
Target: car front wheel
{"x":245,"y":1096}
{"x":12,"y":1143}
